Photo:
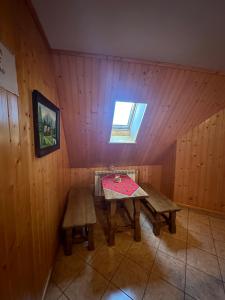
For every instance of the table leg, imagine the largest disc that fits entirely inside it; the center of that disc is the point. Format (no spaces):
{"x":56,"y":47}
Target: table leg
{"x":137,"y":227}
{"x":157,"y":225}
{"x":91,"y":245}
{"x":68,"y":241}
{"x":111,"y":222}
{"x":172,"y":222}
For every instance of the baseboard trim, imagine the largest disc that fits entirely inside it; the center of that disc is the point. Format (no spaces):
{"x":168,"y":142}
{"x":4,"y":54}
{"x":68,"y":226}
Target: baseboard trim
{"x":203,"y":210}
{"x":47,"y":283}
{"x":50,"y":273}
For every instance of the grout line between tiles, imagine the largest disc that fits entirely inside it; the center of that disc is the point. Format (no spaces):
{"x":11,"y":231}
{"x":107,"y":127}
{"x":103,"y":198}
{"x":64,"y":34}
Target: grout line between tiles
{"x":185,"y":273}
{"x":150,"y":272}
{"x":204,"y":272}
{"x":124,"y":254}
{"x":221,"y":276}
{"x":65,"y":296}
{"x":186,"y":294}
{"x":110,"y":281}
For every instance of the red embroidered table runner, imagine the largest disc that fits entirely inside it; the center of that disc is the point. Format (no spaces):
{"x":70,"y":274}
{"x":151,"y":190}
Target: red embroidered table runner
{"x":126,"y":186}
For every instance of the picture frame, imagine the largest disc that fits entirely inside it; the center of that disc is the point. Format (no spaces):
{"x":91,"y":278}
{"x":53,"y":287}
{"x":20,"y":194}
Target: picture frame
{"x":46,"y":121}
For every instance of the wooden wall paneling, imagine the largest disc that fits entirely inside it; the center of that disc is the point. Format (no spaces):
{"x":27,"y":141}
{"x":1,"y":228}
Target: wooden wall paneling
{"x":17,"y":240}
{"x":177,"y":101}
{"x":200,"y":165}
{"x":5,"y":280}
{"x":185,"y":88}
{"x":83,"y":177}
{"x":33,"y":191}
{"x":168,"y":171}
{"x":21,"y":211}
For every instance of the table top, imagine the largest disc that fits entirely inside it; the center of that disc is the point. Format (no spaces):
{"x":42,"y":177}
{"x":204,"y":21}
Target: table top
{"x":126,"y":189}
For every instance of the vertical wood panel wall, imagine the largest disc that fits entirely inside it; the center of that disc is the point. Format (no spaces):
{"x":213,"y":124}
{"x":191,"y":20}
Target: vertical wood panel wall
{"x":84,"y":176}
{"x":168,"y":171}
{"x":32,"y":191}
{"x":200,"y":165}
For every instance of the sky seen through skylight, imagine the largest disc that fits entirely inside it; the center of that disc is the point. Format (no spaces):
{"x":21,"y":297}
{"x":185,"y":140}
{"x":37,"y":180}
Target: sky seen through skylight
{"x":122,"y":113}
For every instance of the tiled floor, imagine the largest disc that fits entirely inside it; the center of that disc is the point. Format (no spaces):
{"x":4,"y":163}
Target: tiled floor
{"x":187,"y":265}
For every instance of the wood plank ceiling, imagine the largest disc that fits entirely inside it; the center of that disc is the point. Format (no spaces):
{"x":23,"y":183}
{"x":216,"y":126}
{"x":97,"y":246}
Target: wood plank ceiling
{"x":178,"y":99}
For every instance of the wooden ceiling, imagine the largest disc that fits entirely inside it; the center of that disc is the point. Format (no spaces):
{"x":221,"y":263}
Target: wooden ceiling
{"x":178,"y":99}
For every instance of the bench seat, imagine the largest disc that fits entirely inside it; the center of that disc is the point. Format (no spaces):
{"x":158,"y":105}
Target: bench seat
{"x":80,"y":212}
{"x":162,"y":209}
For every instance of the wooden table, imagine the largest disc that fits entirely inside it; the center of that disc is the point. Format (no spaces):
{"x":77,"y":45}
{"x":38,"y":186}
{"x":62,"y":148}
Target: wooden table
{"x":112,"y":197}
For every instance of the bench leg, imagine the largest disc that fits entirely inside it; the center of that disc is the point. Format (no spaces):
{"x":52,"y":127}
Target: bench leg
{"x":90,"y":229}
{"x":86,"y":231}
{"x":137,"y":228}
{"x":68,"y":241}
{"x":172,"y":222}
{"x":156,"y":225}
{"x":111,"y":222}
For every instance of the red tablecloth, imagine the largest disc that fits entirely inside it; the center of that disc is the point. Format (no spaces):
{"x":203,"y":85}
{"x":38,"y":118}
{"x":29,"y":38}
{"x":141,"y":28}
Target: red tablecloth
{"x":126,"y":187}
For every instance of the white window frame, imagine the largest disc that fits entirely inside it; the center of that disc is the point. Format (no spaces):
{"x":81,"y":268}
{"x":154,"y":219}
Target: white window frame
{"x":127,"y":134}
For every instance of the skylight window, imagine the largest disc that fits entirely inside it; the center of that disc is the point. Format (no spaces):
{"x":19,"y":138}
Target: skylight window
{"x":123,"y":113}
{"x":127,"y":121}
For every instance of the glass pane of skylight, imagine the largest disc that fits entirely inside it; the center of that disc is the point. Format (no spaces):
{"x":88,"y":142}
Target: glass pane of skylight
{"x":122,"y":113}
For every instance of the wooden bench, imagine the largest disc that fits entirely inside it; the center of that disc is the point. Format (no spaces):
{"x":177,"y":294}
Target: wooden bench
{"x":80,"y":212}
{"x":161,"y":209}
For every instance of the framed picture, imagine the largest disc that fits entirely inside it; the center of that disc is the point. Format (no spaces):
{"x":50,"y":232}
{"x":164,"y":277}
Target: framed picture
{"x":46,"y":125}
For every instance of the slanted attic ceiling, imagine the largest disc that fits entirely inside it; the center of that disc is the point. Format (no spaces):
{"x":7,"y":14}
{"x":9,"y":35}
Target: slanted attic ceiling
{"x":88,"y":86}
{"x":190,"y":33}
{"x":175,"y":31}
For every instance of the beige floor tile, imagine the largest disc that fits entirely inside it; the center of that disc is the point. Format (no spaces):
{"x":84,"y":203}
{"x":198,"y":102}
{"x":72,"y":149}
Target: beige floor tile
{"x":187,"y":297}
{"x":181,"y":233}
{"x":113,"y":293}
{"x":149,"y":237}
{"x":99,"y":240}
{"x":202,"y":286}
{"x":222,"y":267}
{"x":173,"y":247}
{"x":65,"y":269}
{"x":201,"y":241}
{"x":170,"y":269}
{"x":143,"y":217}
{"x":63,"y":297}
{"x":218,"y":234}
{"x":183,"y":222}
{"x":183,"y":213}
{"x":203,"y":261}
{"x":53,"y":292}
{"x":161,"y":290}
{"x":128,"y":263}
{"x":88,"y":284}
{"x":195,"y":217}
{"x":106,"y":261}
{"x":220,"y":248}
{"x":147,"y":224}
{"x":217,"y":223}
{"x":200,"y":228}
{"x":82,"y":250}
{"x":123,"y":241}
{"x":143,"y":254}
{"x":131,"y":279}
